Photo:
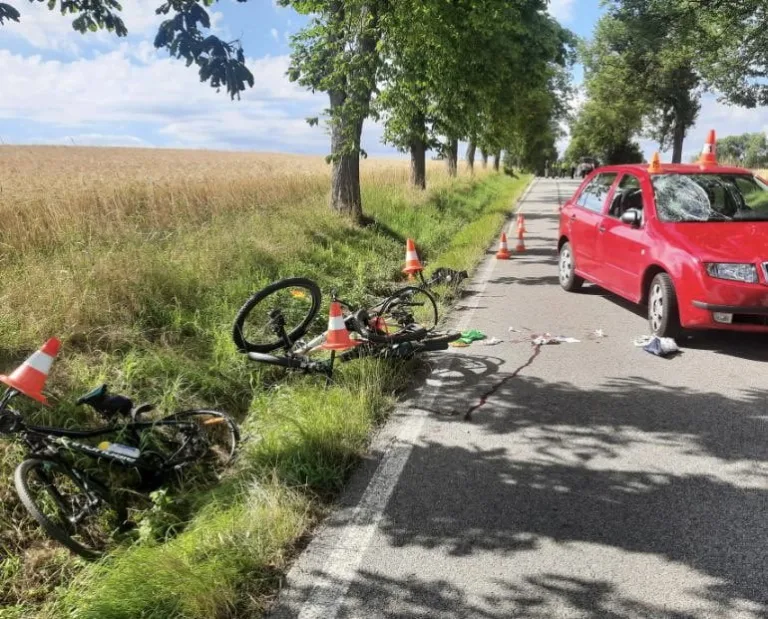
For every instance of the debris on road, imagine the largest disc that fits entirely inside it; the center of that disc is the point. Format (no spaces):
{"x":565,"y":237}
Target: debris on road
{"x":662,"y":346}
{"x":467,"y":337}
{"x":547,"y":338}
{"x":492,"y":342}
{"x":597,"y":334}
{"x":642,"y":341}
{"x":514,"y":330}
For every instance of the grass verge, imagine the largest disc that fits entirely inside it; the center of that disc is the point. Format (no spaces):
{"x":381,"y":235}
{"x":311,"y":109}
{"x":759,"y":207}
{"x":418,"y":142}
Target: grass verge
{"x":155,"y":324}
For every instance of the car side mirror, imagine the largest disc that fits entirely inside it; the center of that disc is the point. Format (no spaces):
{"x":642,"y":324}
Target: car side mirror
{"x":632,"y":217}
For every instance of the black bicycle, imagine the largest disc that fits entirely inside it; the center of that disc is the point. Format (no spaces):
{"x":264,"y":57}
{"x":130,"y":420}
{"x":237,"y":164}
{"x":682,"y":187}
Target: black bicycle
{"x":74,"y":504}
{"x":279,"y":316}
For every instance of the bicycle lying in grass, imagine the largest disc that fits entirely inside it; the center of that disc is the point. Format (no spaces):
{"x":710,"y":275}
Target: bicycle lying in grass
{"x":399,"y":326}
{"x":77,"y":507}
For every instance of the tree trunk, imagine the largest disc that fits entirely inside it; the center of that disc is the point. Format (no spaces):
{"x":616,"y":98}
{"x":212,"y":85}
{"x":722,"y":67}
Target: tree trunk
{"x":452,"y":157}
{"x":418,"y":164}
{"x":345,"y":173}
{"x":496,"y":160}
{"x":484,"y":156}
{"x":471,"y":149}
{"x":677,"y":140}
{"x":347,"y":121}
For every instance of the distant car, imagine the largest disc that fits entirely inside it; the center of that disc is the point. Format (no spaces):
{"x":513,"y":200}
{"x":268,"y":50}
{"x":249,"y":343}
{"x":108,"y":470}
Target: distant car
{"x":586,"y":166}
{"x":690,"y":241}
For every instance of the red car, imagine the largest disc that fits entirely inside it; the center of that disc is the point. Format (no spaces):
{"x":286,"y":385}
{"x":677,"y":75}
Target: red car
{"x":690,"y":241}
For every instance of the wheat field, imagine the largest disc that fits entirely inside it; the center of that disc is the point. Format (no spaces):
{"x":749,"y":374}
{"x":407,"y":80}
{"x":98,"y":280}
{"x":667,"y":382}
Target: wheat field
{"x":48,"y":193}
{"x":91,"y":238}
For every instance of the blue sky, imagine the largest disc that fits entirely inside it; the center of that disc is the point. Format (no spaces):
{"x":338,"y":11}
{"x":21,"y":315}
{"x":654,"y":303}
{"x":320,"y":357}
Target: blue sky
{"x":58,"y":86}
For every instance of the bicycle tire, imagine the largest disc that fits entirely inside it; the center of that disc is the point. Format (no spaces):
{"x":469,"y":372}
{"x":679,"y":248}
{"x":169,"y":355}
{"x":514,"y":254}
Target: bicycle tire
{"x":225,"y":455}
{"x":21,"y":481}
{"x":413,"y":332}
{"x":439,"y":341}
{"x":238,"y":329}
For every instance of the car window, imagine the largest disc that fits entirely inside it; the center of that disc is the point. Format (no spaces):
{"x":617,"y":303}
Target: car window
{"x":594,"y":194}
{"x":628,"y":196}
{"x":710,"y":197}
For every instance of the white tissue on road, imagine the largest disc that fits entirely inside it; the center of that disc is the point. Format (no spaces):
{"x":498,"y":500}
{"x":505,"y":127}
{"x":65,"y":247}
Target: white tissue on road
{"x":491,"y":342}
{"x":548,"y":338}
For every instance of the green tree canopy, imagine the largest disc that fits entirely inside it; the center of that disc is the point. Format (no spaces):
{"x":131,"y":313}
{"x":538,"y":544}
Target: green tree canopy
{"x":638,"y":58}
{"x":749,"y":150}
{"x":728,"y":41}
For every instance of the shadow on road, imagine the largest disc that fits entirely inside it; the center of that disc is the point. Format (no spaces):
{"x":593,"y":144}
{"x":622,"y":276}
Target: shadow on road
{"x":536,"y":598}
{"x":546,"y":280}
{"x":464,"y":501}
{"x":506,"y":506}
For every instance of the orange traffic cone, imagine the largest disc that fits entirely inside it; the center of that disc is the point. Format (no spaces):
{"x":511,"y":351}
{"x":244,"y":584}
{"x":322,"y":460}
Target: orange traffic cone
{"x":337,"y":337}
{"x":503,"y":253}
{"x":709,"y":152}
{"x":520,"y":233}
{"x":655,"y":166}
{"x":29,"y":378}
{"x":412,"y":262}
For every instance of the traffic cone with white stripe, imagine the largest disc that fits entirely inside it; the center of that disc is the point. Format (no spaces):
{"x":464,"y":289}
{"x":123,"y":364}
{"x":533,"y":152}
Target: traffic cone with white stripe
{"x":520,"y":233}
{"x":503,"y":253}
{"x":29,"y":378}
{"x":709,"y":152}
{"x":337,"y":337}
{"x":412,"y":262}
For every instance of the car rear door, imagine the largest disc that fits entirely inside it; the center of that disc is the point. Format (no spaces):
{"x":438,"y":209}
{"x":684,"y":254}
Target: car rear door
{"x":621,"y":248}
{"x":585,"y":218}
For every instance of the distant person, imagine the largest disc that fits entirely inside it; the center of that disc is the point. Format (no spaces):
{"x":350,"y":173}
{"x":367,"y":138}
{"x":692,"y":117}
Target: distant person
{"x":573,"y":171}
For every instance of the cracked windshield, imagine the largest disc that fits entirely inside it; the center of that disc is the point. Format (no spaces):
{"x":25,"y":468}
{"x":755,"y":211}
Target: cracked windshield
{"x":710,"y":197}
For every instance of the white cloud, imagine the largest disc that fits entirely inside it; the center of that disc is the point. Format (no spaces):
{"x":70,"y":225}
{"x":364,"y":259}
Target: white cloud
{"x":45,"y":29}
{"x":50,"y":30}
{"x":724,"y":119}
{"x":562,"y":10}
{"x":275,"y":34}
{"x":138,"y":85}
{"x":96,"y":139}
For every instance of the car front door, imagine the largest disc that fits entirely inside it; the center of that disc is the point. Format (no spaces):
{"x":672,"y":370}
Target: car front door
{"x":585,"y":217}
{"x":622,"y":248}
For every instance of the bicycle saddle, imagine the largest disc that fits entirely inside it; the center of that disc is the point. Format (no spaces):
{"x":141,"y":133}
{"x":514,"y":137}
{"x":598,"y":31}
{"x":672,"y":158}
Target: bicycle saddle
{"x":109,"y":406}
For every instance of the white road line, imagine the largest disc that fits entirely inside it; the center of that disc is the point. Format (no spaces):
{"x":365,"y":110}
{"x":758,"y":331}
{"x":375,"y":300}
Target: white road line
{"x":339,"y":571}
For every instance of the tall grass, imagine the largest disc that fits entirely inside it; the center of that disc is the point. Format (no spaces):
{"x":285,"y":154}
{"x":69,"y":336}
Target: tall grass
{"x":139,"y":261}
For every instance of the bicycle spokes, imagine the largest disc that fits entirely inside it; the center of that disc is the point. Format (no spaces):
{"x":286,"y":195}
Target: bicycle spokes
{"x":276,"y":317}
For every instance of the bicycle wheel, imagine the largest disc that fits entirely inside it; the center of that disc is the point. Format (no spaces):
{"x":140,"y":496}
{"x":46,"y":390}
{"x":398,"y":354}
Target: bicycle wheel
{"x":408,"y":315}
{"x":200,"y":436}
{"x":287,"y":306}
{"x":68,"y":507}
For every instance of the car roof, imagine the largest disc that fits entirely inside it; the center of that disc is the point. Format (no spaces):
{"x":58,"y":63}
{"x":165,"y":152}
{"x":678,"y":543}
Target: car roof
{"x":675,"y":168}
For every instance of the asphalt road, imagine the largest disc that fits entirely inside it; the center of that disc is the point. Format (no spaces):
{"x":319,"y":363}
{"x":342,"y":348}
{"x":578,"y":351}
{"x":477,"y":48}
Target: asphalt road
{"x":596,"y":481}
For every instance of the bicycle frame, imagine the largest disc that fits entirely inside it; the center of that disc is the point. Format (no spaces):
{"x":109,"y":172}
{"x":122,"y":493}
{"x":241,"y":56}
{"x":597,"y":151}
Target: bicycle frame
{"x":60,"y":438}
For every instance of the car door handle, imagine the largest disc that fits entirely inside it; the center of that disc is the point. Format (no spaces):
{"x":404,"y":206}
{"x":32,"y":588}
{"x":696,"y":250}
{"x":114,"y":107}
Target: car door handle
{"x":573,"y":216}
{"x":601,"y":229}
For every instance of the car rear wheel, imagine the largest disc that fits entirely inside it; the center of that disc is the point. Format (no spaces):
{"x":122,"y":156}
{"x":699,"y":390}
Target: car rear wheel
{"x":567,"y":270}
{"x":663,"y":313}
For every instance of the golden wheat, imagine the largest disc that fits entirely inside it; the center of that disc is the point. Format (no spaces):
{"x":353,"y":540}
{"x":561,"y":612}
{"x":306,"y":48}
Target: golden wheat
{"x":93,"y":237}
{"x":50,"y":194}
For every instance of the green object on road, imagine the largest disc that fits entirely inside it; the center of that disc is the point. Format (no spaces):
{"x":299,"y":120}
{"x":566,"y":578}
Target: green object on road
{"x":473,"y":335}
